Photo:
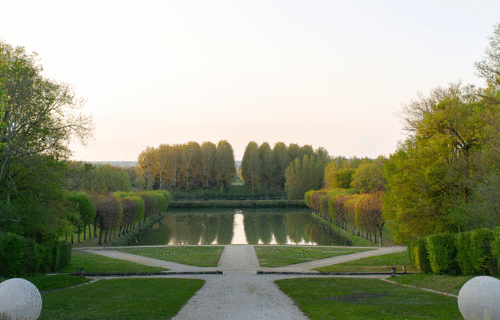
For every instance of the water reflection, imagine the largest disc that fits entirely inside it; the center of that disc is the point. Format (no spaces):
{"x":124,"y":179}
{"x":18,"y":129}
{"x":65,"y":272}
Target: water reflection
{"x":250,"y":226}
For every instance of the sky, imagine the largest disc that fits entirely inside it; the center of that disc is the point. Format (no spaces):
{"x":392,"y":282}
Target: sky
{"x":331,"y":74}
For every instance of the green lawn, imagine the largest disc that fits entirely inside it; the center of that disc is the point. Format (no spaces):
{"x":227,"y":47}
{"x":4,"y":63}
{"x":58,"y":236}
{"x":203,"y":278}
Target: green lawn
{"x":442,"y":283}
{"x":279,"y":256}
{"x":45,"y":283}
{"x":121,"y":299}
{"x":351,"y":299}
{"x":199,"y":256}
{"x":94,"y":263}
{"x":382,"y":263}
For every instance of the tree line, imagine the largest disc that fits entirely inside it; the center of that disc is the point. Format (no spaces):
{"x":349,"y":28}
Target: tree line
{"x":345,"y":208}
{"x":187,"y":166}
{"x":290,"y":170}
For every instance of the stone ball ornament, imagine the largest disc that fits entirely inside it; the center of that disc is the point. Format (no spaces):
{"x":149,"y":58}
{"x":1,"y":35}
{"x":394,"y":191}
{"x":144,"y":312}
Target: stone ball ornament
{"x":19,"y":299}
{"x":479,"y":299}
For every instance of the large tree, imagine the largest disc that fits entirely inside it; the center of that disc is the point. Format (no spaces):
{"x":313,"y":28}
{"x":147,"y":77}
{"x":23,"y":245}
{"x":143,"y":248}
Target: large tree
{"x":225,"y":166}
{"x":38,"y":118}
{"x":251,"y":166}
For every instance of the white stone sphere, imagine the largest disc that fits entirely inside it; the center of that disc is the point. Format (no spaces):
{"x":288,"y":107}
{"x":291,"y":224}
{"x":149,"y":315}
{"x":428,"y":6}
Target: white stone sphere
{"x":20,"y":299}
{"x":479,"y":299}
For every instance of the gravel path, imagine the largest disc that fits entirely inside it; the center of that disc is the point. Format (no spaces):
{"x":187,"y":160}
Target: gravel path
{"x":239,"y":293}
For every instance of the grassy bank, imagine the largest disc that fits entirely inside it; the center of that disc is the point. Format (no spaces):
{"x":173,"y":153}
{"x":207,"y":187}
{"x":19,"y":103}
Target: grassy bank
{"x":354,"y":238}
{"x":278,"y":256}
{"x":199,"y":256}
{"x":94,"y":263}
{"x":382,"y":263}
{"x":53,"y":282}
{"x":238,"y":204}
{"x":121,"y":299}
{"x":349,"y":299}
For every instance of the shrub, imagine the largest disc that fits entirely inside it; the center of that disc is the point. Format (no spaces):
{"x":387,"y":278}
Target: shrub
{"x":442,"y":253}
{"x":463,"y":258}
{"x":32,"y":257}
{"x":65,"y":257}
{"x":481,"y":255}
{"x":11,"y":254}
{"x":421,"y":256}
{"x":410,"y":250}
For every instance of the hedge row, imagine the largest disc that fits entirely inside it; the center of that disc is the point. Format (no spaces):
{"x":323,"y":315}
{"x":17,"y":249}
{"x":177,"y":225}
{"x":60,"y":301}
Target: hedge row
{"x":466,"y":253}
{"x":119,"y":211}
{"x":22,"y":256}
{"x":343,"y":207}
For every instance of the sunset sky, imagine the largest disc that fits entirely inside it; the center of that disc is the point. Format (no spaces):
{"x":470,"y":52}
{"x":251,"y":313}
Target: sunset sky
{"x":332,"y":74}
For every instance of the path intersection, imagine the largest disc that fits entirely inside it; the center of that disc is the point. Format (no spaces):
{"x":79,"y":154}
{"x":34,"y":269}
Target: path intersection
{"x":240,"y":293}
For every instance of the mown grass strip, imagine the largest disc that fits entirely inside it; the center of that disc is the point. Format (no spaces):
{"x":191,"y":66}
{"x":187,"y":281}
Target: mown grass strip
{"x":94,"y":263}
{"x":279,"y":256}
{"x":382,"y":263}
{"x":53,"y":282}
{"x":442,"y":283}
{"x":353,"y":238}
{"x":350,"y":299}
{"x":199,"y":256}
{"x":121,"y":299}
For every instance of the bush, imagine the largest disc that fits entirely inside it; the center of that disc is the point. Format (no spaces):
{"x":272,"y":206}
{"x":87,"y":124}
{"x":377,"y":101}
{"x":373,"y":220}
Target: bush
{"x":481,"y":255}
{"x":442,"y":253}
{"x":32,"y":257}
{"x":410,"y":250}
{"x":65,"y":257}
{"x":463,"y":258}
{"x":11,"y":254}
{"x":421,"y":256}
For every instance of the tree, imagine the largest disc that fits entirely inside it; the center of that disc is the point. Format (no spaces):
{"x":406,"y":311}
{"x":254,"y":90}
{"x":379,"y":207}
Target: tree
{"x":38,"y":117}
{"x":251,"y":166}
{"x":489,"y":67}
{"x":439,"y":165}
{"x":225,"y":168}
{"x":369,"y":177}
{"x":280,"y":160}
{"x":265,"y":156}
{"x":208,"y":150}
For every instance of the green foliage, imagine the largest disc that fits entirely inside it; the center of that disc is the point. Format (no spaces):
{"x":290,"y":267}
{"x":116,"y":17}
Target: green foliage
{"x":463,"y":245}
{"x":480,"y":254}
{"x":421,"y":256}
{"x":343,"y":178}
{"x":442,"y":253}
{"x":369,"y":177}
{"x":11,"y":254}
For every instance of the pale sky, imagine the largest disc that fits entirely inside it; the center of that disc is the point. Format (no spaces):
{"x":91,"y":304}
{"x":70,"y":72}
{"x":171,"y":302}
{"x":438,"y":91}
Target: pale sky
{"x":331,"y":74}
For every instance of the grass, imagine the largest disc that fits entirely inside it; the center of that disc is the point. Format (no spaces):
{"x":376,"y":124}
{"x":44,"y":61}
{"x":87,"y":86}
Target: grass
{"x":350,"y":299}
{"x":94,"y":263}
{"x":199,"y":256}
{"x":382,"y":263}
{"x":121,"y":299}
{"x":442,"y":283}
{"x":52,"y":282}
{"x":279,"y":256}
{"x":347,"y":234}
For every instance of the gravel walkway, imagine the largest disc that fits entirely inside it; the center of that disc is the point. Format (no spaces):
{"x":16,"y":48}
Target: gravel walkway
{"x":239,"y":293}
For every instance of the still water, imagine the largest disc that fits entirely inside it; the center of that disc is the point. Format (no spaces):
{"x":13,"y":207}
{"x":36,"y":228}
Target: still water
{"x":235,"y":226}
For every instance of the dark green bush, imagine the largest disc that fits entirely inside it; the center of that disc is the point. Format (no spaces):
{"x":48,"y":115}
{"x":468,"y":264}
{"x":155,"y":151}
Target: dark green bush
{"x":32,"y":257}
{"x":442,"y":253}
{"x":65,"y":258}
{"x":410,"y":250}
{"x":463,"y":245}
{"x":421,"y":256}
{"x":11,"y":254}
{"x":481,"y":253}
{"x":56,"y":255}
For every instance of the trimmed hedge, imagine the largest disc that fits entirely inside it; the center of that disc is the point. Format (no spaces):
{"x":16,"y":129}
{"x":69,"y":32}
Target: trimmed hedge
{"x":421,"y":256}
{"x":442,"y":253}
{"x":481,"y":253}
{"x":22,"y":256}
{"x":463,"y":245}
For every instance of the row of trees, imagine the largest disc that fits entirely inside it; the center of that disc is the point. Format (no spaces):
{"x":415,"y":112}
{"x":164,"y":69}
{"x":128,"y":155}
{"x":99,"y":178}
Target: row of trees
{"x":342,"y":207}
{"x":446,"y":175}
{"x":187,"y":166}
{"x":115,"y":213}
{"x":293,"y":169}
{"x":103,"y":178}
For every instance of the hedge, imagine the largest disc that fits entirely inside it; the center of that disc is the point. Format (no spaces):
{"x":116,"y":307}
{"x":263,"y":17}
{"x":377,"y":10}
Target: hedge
{"x":481,"y":254}
{"x":421,"y":257}
{"x":442,"y":253}
{"x":463,"y":253}
{"x":22,"y":256}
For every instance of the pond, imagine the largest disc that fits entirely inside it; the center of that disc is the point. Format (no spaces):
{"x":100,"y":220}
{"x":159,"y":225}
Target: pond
{"x":234,"y":226}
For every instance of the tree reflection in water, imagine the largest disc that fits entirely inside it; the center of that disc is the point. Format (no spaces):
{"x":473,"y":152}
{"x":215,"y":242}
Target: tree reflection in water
{"x":260,"y":226}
